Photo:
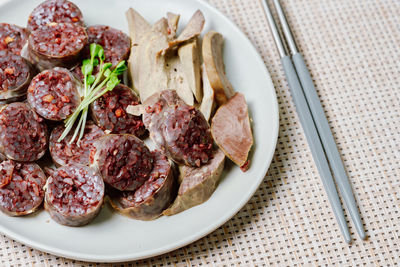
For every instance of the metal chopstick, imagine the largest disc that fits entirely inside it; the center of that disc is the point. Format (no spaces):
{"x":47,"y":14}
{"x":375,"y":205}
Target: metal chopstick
{"x":322,"y":124}
{"x":309,"y":127}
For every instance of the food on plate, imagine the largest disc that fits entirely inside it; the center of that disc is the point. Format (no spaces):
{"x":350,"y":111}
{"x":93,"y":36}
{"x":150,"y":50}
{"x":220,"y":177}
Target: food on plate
{"x":12,"y":38}
{"x":154,"y":62}
{"x":51,"y":11}
{"x":192,"y":29}
{"x":23,"y":134}
{"x":197,"y":184}
{"x":123,"y":160}
{"x":116,"y":44}
{"x":65,"y":153}
{"x":230,"y":128}
{"x":109,"y":112}
{"x":57,"y":45}
{"x":21,"y":187}
{"x":189,"y":56}
{"x":15,"y":75}
{"x":74,"y":195}
{"x":214,"y":64}
{"x":173,"y":20}
{"x":177,"y":81}
{"x":54,"y":94}
{"x":208,"y":104}
{"x":179,"y":130}
{"x":150,"y":199}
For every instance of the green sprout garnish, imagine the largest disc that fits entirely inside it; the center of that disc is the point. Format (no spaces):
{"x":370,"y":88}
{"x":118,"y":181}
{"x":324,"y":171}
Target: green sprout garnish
{"x":106,"y":78}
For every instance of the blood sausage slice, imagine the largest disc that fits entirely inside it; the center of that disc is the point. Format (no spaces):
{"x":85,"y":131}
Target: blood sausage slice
{"x":123,"y":160}
{"x":21,"y":187}
{"x":54,"y":94}
{"x":64,"y":153}
{"x":74,"y":195}
{"x":109,"y":112}
{"x":181,"y":131}
{"x":51,"y":11}
{"x":23,"y":134}
{"x":149,"y":200}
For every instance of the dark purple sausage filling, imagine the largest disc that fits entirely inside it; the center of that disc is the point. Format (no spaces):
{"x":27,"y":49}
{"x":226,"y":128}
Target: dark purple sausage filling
{"x":54,"y":11}
{"x":159,"y":174}
{"x":12,"y":38}
{"x":22,"y":193}
{"x":64,"y":153}
{"x":109,"y":112}
{"x":54,"y":94}
{"x":181,"y":131}
{"x":23,"y":134}
{"x":74,"y":195}
{"x":124,"y":161}
{"x":57,"y":45}
{"x":15,"y":75}
{"x":116,"y":44}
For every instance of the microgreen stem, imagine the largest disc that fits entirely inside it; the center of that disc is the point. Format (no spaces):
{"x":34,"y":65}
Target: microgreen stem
{"x":92,"y":86}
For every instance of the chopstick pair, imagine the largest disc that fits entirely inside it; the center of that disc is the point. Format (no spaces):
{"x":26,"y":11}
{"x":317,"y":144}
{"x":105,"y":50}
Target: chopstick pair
{"x":315,"y":125}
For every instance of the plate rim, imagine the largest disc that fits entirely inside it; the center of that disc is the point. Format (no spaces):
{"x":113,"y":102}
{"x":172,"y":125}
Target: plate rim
{"x":197,"y":235}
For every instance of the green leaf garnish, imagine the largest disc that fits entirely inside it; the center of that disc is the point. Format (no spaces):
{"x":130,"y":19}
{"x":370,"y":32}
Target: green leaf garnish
{"x":106,"y":78}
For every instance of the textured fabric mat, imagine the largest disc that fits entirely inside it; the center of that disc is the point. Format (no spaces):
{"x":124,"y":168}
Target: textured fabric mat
{"x":352,"y":48}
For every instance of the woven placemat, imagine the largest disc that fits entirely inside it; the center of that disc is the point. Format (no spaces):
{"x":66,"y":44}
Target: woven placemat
{"x":352,"y":49}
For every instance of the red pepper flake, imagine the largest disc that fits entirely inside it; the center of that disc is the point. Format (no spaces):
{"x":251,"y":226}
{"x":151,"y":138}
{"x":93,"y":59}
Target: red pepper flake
{"x":75,"y":19}
{"x":48,"y":98}
{"x":119,"y":112}
{"x":245,"y":166}
{"x":9,"y":71}
{"x":65,"y":99}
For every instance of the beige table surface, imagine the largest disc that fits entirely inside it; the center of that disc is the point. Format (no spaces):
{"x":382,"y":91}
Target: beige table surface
{"x":352,"y":48}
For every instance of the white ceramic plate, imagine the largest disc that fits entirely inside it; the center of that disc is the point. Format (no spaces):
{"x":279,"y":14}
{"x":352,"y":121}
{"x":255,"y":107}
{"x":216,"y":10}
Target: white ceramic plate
{"x":112,"y":237}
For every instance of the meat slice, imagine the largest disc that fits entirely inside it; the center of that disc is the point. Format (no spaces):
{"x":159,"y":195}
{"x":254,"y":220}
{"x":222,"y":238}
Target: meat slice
{"x":109,"y":112}
{"x":12,"y":38}
{"x":15,"y":75}
{"x":57,"y":45}
{"x":74,"y":195}
{"x":64,"y":153}
{"x":149,"y":200}
{"x":231,"y":130}
{"x":51,"y":11}
{"x":214,"y":64}
{"x":21,"y":187}
{"x":54,"y":94}
{"x":197,"y":184}
{"x":23,"y":134}
{"x":179,"y":130}
{"x":123,"y":160}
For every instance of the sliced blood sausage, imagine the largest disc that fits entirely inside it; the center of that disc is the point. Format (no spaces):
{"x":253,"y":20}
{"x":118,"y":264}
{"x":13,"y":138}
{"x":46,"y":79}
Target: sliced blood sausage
{"x":74,"y":195}
{"x":64,"y":153}
{"x":54,"y":11}
{"x":54,"y":94}
{"x":109,"y":112}
{"x":12,"y":38}
{"x":181,"y":131}
{"x":21,"y":187}
{"x":155,"y":195}
{"x":23,"y":134}
{"x":15,"y":75}
{"x":57,"y":45}
{"x":115,"y":43}
{"x":123,"y":160}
